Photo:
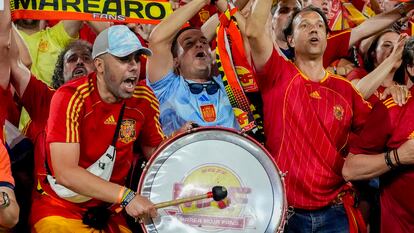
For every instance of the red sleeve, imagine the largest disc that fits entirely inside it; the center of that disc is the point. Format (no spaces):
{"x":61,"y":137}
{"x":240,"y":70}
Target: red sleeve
{"x":404,"y":126}
{"x":9,"y":109}
{"x":357,"y":73}
{"x":152,"y":134}
{"x":362,"y":109}
{"x":64,"y":117}
{"x":36,"y":99}
{"x":271,"y":72}
{"x":337,"y":47}
{"x":373,"y":137}
{"x":6,"y":178}
{"x":87,"y":34}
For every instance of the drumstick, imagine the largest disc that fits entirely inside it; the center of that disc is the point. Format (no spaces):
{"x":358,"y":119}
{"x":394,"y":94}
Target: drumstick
{"x":218,"y":193}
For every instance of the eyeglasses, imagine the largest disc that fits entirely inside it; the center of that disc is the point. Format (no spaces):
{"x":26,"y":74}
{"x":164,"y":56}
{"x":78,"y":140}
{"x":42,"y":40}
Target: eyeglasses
{"x":197,"y":88}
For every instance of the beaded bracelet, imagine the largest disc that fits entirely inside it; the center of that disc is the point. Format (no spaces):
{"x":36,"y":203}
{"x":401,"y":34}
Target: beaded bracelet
{"x":396,"y":157}
{"x":388,"y":160}
{"x":127,"y":197}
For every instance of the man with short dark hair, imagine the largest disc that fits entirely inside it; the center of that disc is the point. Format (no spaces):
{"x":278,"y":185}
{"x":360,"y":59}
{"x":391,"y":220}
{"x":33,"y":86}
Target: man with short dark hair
{"x":308,"y":115}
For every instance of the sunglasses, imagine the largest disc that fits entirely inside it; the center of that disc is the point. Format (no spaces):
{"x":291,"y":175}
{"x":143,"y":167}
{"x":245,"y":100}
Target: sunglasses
{"x":197,"y":88}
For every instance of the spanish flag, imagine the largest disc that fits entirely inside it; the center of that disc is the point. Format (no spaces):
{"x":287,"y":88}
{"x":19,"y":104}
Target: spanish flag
{"x":346,"y":15}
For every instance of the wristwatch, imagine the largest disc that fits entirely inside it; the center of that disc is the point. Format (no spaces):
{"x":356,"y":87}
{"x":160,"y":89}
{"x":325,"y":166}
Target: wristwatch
{"x":5,"y":200}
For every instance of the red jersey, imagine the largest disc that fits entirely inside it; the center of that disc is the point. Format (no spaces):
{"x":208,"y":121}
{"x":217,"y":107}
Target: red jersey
{"x":6,"y":178}
{"x":337,"y":47}
{"x":397,"y":189}
{"x":374,"y":98}
{"x":36,"y":100}
{"x":9,"y":110}
{"x":78,"y":115}
{"x":306,"y":126}
{"x":356,"y":73}
{"x":202,"y":15}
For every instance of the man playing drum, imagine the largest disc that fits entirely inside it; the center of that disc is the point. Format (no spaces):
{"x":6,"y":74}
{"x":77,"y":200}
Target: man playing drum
{"x":308,"y":115}
{"x":105,"y":110}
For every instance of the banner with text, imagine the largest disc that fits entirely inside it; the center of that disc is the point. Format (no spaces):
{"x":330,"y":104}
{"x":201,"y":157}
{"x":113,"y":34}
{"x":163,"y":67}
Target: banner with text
{"x":124,"y":11}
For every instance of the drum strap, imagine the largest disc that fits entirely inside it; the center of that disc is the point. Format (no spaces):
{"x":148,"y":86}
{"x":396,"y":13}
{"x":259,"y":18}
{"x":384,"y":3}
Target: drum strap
{"x":102,"y":168}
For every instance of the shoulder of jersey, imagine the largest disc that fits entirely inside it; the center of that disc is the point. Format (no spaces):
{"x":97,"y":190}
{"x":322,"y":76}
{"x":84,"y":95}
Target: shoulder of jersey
{"x":142,"y":91}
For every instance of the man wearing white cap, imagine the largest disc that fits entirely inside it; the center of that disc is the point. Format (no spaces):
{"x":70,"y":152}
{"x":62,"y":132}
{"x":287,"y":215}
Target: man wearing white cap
{"x":93,"y":123}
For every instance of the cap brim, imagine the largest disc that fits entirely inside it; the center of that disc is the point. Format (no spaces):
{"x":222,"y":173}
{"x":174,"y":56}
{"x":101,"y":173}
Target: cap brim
{"x":145,"y":51}
{"x":141,"y":50}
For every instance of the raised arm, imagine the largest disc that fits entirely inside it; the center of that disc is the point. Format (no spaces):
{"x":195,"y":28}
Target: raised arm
{"x":370,"y":83}
{"x":378,"y":23}
{"x":5,"y":33}
{"x":375,"y":6}
{"x":210,"y":26}
{"x":20,"y":73}
{"x":24,"y":52}
{"x":97,"y":26}
{"x":72,"y":27}
{"x":260,"y":43}
{"x":161,"y":61}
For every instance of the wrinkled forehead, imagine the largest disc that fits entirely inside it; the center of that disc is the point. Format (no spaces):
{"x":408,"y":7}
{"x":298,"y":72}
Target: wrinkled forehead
{"x":307,"y":16}
{"x":79,"y":51}
{"x":193,"y":34}
{"x":291,"y":4}
{"x":389,"y":36}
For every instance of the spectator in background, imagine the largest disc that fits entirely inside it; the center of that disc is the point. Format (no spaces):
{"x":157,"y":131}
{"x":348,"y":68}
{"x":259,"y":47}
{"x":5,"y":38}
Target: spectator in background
{"x":45,"y":44}
{"x":180,"y":72}
{"x":387,"y":152}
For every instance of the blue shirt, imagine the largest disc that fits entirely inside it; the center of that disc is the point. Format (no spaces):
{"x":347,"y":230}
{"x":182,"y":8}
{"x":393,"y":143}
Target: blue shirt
{"x":178,"y":105}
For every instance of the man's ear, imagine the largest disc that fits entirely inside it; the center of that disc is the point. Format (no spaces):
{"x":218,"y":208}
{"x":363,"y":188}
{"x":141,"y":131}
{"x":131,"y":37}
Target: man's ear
{"x":290,"y":41}
{"x":99,"y":65}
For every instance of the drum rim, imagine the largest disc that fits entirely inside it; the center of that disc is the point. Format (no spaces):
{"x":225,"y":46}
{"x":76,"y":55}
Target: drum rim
{"x":168,"y":142}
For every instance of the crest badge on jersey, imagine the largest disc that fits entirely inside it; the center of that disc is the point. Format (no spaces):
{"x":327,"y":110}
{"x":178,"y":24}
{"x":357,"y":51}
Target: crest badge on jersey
{"x":338,"y":112}
{"x":208,"y":112}
{"x":204,"y":15}
{"x":127,"y":132}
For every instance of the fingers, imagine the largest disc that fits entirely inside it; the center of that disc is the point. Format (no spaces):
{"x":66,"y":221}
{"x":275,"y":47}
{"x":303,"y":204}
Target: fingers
{"x":399,"y":94}
{"x":141,"y":207}
{"x":384,"y":94}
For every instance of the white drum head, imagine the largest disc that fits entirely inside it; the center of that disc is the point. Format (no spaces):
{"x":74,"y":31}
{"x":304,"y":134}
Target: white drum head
{"x":192,"y":164}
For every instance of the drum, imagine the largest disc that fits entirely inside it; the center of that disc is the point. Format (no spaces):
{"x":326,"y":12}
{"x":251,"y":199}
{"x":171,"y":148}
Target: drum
{"x":192,"y":163}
